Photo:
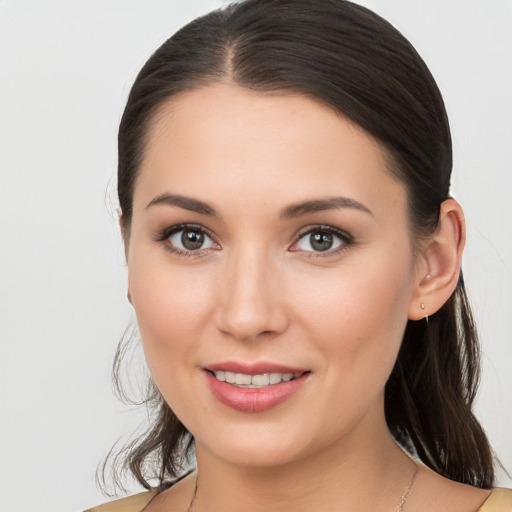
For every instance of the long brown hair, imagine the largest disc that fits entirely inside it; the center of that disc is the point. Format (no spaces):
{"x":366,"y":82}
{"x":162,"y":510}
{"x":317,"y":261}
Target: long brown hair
{"x":351,"y":59}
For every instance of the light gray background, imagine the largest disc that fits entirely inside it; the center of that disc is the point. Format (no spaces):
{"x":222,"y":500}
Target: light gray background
{"x":65,"y":70}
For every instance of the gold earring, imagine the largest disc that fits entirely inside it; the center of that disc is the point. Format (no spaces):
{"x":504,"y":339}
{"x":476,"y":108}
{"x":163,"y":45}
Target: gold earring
{"x":422,"y":306}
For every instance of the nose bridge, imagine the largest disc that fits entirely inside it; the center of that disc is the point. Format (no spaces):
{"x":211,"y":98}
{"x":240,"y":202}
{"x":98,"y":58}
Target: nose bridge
{"x":250,"y":304}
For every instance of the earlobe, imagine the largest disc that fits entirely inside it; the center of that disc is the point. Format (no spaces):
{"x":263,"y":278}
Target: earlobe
{"x":441,"y":260}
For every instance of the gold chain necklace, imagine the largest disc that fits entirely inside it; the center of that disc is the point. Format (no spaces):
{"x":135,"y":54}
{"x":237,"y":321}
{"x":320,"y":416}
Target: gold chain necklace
{"x":405,"y":495}
{"x":399,"y":508}
{"x":192,"y":503}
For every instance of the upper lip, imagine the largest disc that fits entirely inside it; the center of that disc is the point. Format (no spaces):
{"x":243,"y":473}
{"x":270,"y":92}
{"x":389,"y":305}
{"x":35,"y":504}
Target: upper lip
{"x":257,"y":368}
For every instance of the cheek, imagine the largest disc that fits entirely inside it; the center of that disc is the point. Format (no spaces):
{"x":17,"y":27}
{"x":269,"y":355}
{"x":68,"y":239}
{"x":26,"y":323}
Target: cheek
{"x":171,"y":307}
{"x":357,"y":315}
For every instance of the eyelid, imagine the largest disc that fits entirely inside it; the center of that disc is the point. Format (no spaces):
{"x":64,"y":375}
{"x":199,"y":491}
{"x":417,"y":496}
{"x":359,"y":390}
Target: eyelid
{"x":165,"y":233}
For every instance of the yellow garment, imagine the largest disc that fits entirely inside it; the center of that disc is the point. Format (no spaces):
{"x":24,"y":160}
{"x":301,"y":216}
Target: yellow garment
{"x":135,"y":503}
{"x":500,"y":500}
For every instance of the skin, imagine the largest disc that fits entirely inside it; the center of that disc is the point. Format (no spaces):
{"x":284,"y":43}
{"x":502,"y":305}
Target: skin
{"x":258,"y":291}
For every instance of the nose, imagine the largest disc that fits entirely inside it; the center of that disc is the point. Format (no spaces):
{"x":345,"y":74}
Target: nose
{"x":251,"y":292}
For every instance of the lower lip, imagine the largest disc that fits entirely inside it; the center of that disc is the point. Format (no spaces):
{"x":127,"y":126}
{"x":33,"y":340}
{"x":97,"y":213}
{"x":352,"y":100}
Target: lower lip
{"x":254,"y":399}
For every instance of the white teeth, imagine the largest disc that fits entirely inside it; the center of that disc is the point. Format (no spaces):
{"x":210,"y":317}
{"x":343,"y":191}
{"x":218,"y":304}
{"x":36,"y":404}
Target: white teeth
{"x":255,"y":381}
{"x":261,"y":380}
{"x":242,"y":380}
{"x":275,"y":378}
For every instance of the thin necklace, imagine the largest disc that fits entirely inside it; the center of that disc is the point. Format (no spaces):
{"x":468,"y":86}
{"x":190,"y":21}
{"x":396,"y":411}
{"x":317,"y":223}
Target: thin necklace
{"x":399,"y":507}
{"x":405,"y":495}
{"x":192,"y":503}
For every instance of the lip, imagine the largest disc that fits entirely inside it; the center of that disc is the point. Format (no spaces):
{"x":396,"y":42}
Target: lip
{"x":253,"y":368}
{"x":254,"y":399}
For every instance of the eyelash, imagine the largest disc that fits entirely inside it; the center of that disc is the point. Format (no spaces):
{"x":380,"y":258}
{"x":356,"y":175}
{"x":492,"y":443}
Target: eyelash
{"x":345,"y":238}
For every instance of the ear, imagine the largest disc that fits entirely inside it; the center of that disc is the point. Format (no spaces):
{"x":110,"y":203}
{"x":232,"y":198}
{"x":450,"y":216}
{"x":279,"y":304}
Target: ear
{"x":122,"y":226}
{"x":439,"y":262}
{"x":124,"y":235}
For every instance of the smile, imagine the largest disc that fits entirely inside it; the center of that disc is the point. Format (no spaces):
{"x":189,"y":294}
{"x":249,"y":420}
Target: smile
{"x":254,"y":381}
{"x":252,"y":388}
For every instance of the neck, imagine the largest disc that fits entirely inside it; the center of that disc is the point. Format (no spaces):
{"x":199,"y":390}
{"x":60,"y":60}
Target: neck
{"x":353,"y":475}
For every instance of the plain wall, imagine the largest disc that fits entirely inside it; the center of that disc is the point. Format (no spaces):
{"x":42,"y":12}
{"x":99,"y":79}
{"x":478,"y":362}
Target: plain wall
{"x":66,"y":67}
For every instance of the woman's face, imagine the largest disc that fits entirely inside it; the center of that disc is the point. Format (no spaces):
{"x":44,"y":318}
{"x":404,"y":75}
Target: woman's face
{"x":269,"y":242}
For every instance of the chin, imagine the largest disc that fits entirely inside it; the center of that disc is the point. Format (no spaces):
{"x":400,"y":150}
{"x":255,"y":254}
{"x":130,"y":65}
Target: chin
{"x":262,"y":445}
{"x":256,"y":455}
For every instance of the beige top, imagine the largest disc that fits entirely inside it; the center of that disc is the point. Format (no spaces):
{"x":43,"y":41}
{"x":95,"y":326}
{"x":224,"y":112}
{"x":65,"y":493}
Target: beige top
{"x":500,"y":500}
{"x":135,"y":503}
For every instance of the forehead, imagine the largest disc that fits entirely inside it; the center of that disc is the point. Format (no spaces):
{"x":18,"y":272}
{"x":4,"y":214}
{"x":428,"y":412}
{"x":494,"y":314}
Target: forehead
{"x":224,"y":139}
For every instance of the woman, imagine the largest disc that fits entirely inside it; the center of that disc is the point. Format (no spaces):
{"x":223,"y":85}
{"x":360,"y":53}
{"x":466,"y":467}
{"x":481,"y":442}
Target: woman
{"x":294,"y":264}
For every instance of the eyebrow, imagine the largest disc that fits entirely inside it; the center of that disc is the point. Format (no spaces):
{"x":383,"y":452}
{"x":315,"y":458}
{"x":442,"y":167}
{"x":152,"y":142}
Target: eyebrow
{"x":290,"y":212}
{"x":188,"y":203}
{"x":320,"y":205}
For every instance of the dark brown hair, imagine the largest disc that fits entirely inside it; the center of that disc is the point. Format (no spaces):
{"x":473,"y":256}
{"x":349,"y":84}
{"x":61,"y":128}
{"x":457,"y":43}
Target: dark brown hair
{"x":349,"y":58}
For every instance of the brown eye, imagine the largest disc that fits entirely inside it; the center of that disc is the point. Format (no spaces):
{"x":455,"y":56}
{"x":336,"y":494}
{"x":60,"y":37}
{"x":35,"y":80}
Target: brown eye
{"x":321,"y":241}
{"x":192,"y":240}
{"x":189,"y":239}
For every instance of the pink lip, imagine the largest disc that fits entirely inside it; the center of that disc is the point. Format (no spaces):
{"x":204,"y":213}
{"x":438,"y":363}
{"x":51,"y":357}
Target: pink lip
{"x":254,"y":399}
{"x":253,"y":368}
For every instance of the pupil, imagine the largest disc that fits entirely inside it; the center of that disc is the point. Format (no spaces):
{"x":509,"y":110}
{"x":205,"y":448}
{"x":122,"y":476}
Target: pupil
{"x":192,"y":240}
{"x":321,"y":241}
